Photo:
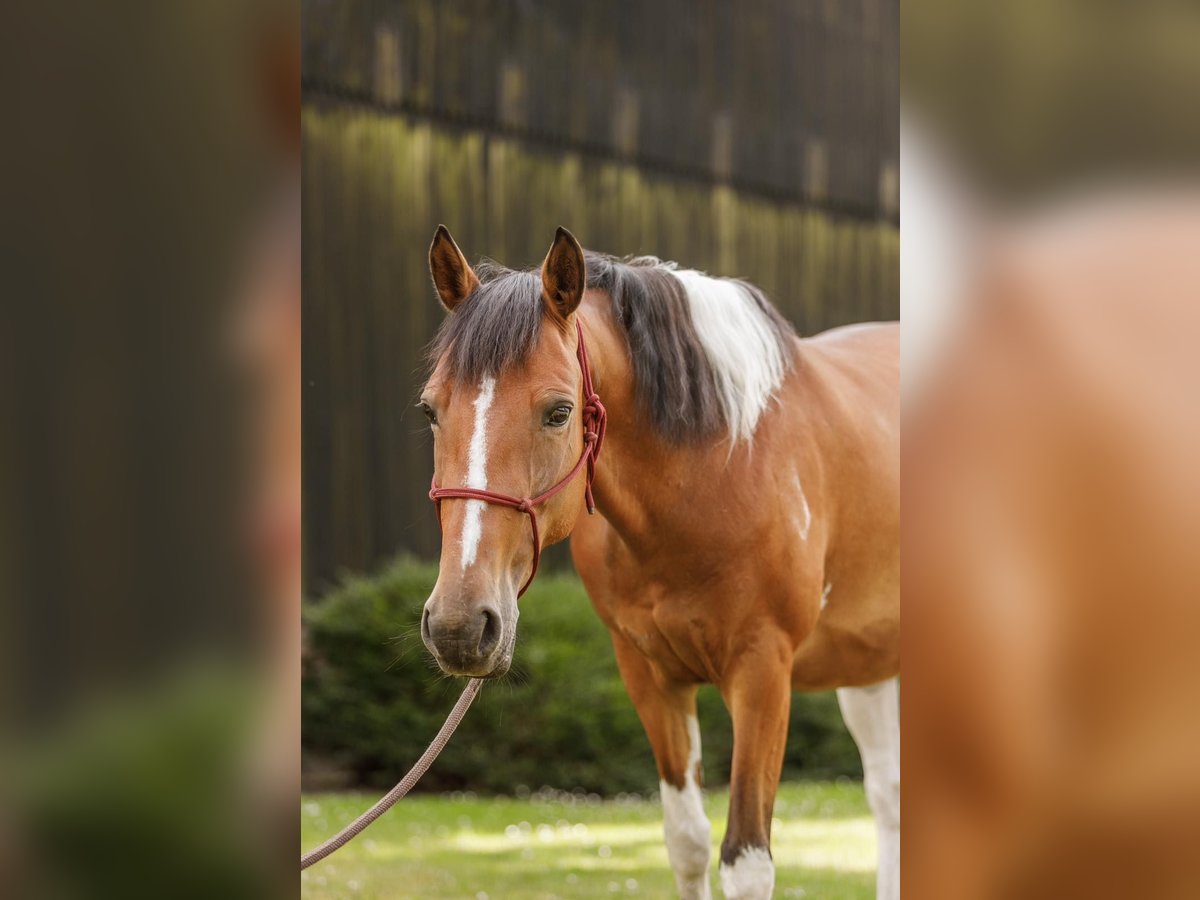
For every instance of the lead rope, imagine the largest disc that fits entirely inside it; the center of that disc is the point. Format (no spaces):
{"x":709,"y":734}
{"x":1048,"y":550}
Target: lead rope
{"x":351,"y":831}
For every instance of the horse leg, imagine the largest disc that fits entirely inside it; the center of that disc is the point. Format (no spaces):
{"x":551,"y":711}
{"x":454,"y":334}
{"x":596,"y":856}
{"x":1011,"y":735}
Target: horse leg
{"x":759,"y":699}
{"x":873,"y":716}
{"x":668,"y":713}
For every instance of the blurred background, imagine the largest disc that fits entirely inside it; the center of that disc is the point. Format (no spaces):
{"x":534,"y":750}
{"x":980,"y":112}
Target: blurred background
{"x":756,"y":139}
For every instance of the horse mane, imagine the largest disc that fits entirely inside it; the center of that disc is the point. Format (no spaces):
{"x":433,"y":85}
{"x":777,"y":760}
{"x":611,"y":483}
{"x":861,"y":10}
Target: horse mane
{"x":707,"y":353}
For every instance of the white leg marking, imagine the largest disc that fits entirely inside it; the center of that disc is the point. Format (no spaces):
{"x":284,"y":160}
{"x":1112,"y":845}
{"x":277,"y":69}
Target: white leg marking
{"x":873,"y":716}
{"x":685,"y":826}
{"x":750,"y":877}
{"x":477,"y":472}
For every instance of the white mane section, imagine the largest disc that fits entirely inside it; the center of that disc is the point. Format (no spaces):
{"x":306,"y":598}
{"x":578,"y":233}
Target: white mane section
{"x":741,"y":345}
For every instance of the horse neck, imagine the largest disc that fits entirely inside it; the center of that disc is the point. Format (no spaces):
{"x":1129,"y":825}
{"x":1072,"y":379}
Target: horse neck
{"x":640,"y":478}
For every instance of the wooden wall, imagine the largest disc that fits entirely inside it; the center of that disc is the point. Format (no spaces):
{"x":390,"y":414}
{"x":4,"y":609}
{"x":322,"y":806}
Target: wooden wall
{"x":798,"y":98}
{"x":482,"y":116}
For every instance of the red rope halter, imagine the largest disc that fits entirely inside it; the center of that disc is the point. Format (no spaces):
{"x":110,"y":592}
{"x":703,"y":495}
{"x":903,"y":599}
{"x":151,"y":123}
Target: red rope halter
{"x":595,"y":419}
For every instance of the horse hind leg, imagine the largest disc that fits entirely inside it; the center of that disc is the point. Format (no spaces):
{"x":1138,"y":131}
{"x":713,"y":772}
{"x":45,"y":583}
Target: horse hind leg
{"x":872,"y":715}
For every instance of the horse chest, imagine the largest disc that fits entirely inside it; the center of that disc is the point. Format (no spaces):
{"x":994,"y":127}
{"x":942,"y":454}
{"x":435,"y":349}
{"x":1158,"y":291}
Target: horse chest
{"x":670,"y":635}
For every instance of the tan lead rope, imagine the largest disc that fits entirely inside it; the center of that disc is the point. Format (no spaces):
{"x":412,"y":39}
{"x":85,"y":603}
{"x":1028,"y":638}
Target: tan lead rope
{"x":351,"y":831}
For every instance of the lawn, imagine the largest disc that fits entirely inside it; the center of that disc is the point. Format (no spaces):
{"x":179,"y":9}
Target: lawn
{"x":564,"y":846}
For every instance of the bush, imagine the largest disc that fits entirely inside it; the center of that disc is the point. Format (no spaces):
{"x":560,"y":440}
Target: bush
{"x":373,"y":699}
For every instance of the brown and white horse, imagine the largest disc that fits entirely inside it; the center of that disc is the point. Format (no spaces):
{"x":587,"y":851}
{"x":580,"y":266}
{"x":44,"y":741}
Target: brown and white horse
{"x":748,"y":527}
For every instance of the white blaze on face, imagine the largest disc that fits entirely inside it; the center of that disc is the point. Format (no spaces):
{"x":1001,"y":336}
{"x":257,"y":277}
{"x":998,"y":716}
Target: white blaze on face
{"x":750,"y":877}
{"x":688,"y":833}
{"x":477,"y":472}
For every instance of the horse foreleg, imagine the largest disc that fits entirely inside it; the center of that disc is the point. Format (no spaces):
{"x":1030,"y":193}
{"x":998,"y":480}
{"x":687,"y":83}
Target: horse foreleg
{"x":758,"y":695}
{"x":873,"y":716}
{"x":668,"y":713}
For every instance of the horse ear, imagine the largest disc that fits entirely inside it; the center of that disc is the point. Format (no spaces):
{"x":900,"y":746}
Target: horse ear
{"x":563,"y":274}
{"x":453,"y":276}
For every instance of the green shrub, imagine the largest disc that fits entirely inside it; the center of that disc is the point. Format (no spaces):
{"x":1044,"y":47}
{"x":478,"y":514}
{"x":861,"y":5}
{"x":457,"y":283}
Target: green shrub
{"x":373,"y":699}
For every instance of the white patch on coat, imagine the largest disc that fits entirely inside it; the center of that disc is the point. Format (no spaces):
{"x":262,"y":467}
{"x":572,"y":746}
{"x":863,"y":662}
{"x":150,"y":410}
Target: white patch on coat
{"x":686,"y":828}
{"x":804,"y":522}
{"x":825,"y":594}
{"x":741,"y":344}
{"x":477,"y":472}
{"x":807,"y":516}
{"x":751,"y":877}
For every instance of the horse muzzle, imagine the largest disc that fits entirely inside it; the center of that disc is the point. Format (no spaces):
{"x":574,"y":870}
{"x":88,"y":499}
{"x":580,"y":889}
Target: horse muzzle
{"x":474,"y":640}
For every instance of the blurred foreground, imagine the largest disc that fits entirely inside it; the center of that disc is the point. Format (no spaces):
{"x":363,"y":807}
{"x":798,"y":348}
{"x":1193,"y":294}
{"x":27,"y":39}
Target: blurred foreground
{"x":1051,"y":309}
{"x":149,"y":571}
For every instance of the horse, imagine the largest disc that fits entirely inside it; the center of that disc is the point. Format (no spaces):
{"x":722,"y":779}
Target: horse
{"x":747,"y":526}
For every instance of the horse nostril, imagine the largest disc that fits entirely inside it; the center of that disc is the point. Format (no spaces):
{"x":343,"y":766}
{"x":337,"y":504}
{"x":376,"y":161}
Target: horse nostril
{"x":425,"y":636}
{"x":491,"y":633}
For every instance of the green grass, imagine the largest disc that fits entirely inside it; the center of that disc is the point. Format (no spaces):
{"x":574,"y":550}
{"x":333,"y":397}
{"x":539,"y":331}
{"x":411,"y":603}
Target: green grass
{"x":565,"y":846}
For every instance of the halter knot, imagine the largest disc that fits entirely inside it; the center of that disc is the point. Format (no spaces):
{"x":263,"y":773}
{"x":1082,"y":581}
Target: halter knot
{"x":595,"y":419}
{"x":524,"y":506}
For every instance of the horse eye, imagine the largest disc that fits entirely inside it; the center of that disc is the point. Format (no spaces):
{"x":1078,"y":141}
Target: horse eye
{"x":559,"y":416}
{"x":429,"y":413}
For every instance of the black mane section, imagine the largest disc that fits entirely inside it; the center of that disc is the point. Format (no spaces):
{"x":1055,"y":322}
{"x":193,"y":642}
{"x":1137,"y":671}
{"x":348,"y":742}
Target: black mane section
{"x":494,"y":328}
{"x":673,"y":380}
